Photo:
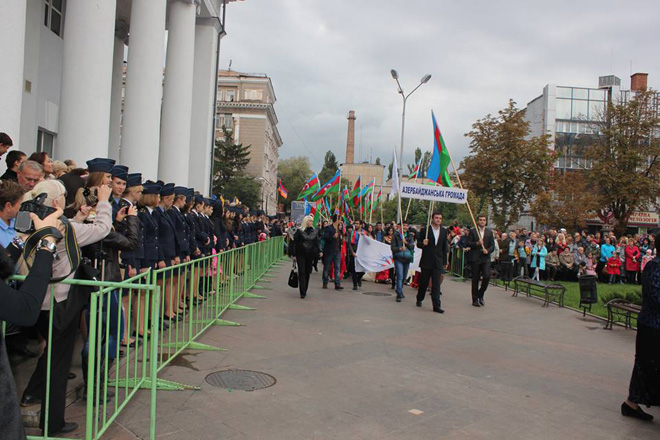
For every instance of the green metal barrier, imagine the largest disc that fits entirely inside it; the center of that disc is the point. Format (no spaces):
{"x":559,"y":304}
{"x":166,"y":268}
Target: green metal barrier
{"x":457,"y":266}
{"x":207,"y":287}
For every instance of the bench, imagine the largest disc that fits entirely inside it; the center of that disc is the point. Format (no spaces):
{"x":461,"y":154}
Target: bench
{"x":621,"y":308}
{"x":549,"y":291}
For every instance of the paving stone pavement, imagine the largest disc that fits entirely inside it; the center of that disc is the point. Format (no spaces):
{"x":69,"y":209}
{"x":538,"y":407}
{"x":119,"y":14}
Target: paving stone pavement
{"x":356,"y":366}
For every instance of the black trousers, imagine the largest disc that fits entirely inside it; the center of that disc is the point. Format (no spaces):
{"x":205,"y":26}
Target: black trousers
{"x":480,"y":269}
{"x":644,"y":386}
{"x":305,"y":263}
{"x":355,"y":276}
{"x":63,"y":340}
{"x":435,"y":276}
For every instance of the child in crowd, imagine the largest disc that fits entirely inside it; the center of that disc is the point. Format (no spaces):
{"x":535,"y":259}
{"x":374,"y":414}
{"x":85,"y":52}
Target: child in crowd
{"x":646,"y":258}
{"x":591,"y":265}
{"x":613,"y":267}
{"x":522,"y":258}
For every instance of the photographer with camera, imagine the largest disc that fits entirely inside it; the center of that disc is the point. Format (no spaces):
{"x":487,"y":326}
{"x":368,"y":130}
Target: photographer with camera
{"x":66,"y":307}
{"x":21,"y":307}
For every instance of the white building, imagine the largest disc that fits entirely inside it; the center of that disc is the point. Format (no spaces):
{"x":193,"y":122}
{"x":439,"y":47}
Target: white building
{"x":62,"y":88}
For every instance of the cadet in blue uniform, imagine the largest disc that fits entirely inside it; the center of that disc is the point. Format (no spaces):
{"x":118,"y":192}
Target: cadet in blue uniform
{"x":119,"y":176}
{"x":181,"y":236}
{"x":168,"y":247}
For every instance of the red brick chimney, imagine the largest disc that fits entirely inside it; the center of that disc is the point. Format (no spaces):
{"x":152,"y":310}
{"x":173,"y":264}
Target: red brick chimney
{"x":638,"y":81}
{"x":350,"y":138}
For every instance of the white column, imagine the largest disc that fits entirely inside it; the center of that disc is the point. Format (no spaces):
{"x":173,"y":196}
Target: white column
{"x":121,"y":32}
{"x":177,"y":93}
{"x":86,"y":80}
{"x":12,"y":48}
{"x":144,"y":88}
{"x":202,"y":132}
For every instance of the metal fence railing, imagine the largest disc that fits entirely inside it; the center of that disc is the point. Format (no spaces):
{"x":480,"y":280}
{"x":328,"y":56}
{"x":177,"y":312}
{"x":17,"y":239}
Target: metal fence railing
{"x":457,"y":262}
{"x":205,"y":288}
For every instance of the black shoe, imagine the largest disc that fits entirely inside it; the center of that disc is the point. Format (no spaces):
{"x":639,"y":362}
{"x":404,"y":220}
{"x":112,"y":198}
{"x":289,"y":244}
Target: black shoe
{"x":339,"y":287}
{"x":354,"y":287}
{"x":302,"y":296}
{"x":476,"y":303}
{"x":438,"y":310}
{"x":481,"y":302}
{"x":68,"y":427}
{"x":325,"y":286}
{"x":398,"y":299}
{"x":627,"y":411}
{"x":28,"y":400}
{"x":418,"y":304}
{"x":360,"y":283}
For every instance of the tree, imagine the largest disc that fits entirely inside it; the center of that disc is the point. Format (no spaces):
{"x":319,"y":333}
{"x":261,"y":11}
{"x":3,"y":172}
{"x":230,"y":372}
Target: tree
{"x":330,"y":167}
{"x":246,"y":188}
{"x":229,"y":160}
{"x":626,"y":157}
{"x":567,"y":204}
{"x":294,"y":173}
{"x":378,"y":161}
{"x":389,"y":170}
{"x":506,"y":166}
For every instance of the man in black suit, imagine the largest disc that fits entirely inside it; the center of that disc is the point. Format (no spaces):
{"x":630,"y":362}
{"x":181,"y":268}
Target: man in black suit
{"x":435,"y":252}
{"x":481,"y":244}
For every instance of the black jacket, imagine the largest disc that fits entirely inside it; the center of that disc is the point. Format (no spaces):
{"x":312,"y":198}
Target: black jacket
{"x":306,"y":243}
{"x":434,"y":255}
{"x":476,"y":254}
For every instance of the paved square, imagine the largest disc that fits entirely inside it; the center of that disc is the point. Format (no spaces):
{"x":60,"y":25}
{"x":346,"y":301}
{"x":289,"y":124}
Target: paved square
{"x":355,"y":366}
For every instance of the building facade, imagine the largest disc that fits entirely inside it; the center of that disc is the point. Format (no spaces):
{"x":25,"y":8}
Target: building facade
{"x":571,"y":116}
{"x":246,"y":107}
{"x":62,"y":81}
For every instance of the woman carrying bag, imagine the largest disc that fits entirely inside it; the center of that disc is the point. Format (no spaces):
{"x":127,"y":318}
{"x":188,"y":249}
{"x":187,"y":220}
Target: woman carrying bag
{"x":403,"y":251}
{"x":306,"y":248}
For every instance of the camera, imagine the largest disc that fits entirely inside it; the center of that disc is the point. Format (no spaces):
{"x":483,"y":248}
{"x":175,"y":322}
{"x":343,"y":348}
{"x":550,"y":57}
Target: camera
{"x":91,"y":198}
{"x":23,"y":221}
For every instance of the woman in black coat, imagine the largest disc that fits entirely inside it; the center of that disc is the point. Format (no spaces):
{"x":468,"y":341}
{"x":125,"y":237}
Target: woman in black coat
{"x":306,"y":248}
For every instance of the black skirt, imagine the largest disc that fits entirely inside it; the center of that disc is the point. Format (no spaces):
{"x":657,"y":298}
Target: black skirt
{"x":645,"y":381}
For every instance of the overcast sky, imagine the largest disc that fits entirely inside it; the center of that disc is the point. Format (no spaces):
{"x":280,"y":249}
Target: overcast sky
{"x":326,"y":57}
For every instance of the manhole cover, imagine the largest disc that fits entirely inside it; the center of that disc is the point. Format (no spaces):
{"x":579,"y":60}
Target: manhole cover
{"x":377,"y":293}
{"x":240,"y":380}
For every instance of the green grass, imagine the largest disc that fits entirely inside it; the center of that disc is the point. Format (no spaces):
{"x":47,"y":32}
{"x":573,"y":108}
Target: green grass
{"x":605,"y":293}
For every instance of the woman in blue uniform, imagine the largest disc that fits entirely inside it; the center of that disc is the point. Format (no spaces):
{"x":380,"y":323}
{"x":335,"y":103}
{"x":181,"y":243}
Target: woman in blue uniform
{"x":168,"y":246}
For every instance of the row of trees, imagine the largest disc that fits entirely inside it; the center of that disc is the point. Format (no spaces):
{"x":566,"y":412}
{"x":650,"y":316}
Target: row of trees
{"x":508,"y":170}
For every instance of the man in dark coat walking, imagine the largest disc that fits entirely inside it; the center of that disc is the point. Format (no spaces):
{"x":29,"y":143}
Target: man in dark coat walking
{"x":481,"y":243}
{"x":435,"y":252}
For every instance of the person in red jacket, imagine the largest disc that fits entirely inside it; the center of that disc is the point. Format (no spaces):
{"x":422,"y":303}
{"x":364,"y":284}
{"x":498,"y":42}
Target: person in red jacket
{"x":613,"y":267}
{"x":633,"y":257}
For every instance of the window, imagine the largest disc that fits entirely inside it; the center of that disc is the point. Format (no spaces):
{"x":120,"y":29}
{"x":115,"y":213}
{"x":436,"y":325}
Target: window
{"x":253,"y":94}
{"x":227,"y":121}
{"x":45,"y":141}
{"x":53,"y":14}
{"x":230,"y":95}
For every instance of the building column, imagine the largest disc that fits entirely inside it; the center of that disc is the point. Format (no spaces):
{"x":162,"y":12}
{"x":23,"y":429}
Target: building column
{"x":173,"y":160}
{"x":121,"y":33}
{"x":202,"y":133}
{"x":12,"y":48}
{"x":140,"y":135}
{"x":86,"y":80}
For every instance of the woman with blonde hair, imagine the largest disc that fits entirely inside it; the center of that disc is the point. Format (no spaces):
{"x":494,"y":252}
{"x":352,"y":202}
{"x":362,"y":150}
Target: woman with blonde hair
{"x":306,"y":248}
{"x":59,"y":168}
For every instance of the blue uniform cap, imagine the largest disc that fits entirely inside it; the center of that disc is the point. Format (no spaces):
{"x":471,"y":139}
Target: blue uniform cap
{"x":167,"y":189}
{"x":133,"y":179}
{"x":100,"y":165}
{"x":151,"y":188}
{"x":180,"y":191}
{"x":120,"y":172}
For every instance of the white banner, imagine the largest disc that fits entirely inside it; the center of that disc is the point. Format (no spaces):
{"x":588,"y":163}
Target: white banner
{"x":434,"y":193}
{"x":374,"y":256}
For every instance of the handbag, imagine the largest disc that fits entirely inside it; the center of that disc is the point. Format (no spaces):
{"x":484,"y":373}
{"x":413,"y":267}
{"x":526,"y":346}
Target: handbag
{"x":293,"y":277}
{"x":405,"y":256}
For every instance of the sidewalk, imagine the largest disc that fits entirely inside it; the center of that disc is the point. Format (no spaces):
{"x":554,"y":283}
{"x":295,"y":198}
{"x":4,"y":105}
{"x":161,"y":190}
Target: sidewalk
{"x":356,"y":366}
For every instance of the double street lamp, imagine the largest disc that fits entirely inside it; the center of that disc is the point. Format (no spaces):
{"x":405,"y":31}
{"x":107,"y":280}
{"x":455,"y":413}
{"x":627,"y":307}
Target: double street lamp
{"x":424,"y":80}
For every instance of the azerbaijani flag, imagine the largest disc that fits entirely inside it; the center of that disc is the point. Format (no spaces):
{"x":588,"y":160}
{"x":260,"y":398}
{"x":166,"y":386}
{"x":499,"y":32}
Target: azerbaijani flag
{"x":379,"y":197}
{"x":368,"y":189}
{"x":355,"y":194}
{"x":330,"y":186}
{"x":310,"y":187}
{"x":282,"y":190}
{"x":415,"y":171}
{"x":326,"y":204}
{"x":440,"y":160}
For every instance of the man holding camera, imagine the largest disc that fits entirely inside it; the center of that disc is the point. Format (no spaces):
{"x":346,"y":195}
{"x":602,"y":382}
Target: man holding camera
{"x":11,"y":194}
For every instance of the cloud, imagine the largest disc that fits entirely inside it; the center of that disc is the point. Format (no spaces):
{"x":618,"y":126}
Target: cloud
{"x":328,"y":57}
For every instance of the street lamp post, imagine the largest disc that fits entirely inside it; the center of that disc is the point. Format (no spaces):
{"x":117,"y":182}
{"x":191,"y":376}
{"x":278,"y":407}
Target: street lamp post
{"x":424,"y":80}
